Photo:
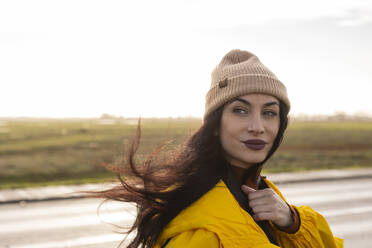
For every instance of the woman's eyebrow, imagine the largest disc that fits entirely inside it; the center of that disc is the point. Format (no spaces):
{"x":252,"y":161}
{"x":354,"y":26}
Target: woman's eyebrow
{"x":271,"y":103}
{"x":248,"y":103}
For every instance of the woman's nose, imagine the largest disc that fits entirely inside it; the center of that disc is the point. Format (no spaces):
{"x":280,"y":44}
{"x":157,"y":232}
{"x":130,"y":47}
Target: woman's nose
{"x":255,"y":125}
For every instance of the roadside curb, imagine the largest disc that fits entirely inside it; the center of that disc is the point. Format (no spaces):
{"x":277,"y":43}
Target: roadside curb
{"x":75,"y":191}
{"x":48,"y":193}
{"x":320,"y":176}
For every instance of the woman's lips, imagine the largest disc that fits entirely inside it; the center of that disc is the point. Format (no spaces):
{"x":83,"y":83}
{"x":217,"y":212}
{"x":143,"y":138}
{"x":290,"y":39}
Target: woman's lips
{"x":255,"y":144}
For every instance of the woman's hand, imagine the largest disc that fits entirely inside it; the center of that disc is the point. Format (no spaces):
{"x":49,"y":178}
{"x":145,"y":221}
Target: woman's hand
{"x":267,"y":205}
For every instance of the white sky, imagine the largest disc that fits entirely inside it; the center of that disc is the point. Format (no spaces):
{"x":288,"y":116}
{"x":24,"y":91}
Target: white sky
{"x":154,"y":58}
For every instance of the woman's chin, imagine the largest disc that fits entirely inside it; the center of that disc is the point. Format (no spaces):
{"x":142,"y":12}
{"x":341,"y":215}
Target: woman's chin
{"x":245,"y":164}
{"x":245,"y":161}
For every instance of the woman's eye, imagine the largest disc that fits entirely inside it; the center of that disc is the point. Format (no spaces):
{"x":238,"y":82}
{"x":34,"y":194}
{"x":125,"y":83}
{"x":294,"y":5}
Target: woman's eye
{"x":239,"y":111}
{"x":270,"y":113}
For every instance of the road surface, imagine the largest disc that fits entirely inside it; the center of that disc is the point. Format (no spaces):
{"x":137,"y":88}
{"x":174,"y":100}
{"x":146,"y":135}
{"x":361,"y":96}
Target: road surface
{"x":346,"y":204}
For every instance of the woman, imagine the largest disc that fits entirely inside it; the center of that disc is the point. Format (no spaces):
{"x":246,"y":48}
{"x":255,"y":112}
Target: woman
{"x":211,"y":193}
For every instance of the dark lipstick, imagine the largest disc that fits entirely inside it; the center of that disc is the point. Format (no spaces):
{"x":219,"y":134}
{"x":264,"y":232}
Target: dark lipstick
{"x":255,"y":144}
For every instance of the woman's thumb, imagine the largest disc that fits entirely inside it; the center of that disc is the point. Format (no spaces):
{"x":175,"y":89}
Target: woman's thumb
{"x":246,"y":189}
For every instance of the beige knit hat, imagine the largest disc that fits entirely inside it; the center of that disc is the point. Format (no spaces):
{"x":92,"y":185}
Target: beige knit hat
{"x":240,"y":73}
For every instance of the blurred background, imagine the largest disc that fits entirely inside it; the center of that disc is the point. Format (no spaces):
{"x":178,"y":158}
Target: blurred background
{"x":76,"y":75}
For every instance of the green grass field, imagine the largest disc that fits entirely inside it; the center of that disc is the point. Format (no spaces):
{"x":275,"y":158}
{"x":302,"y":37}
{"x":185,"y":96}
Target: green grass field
{"x":38,"y":152}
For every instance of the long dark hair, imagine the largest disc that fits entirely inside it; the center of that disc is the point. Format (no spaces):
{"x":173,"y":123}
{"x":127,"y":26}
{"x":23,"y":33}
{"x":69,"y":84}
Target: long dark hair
{"x":162,"y":189}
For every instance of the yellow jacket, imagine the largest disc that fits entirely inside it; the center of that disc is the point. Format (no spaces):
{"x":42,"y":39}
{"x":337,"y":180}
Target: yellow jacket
{"x":217,"y":220}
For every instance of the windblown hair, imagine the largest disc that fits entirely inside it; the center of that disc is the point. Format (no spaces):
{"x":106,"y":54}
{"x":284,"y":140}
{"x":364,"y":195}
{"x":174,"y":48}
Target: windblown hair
{"x":161,"y":190}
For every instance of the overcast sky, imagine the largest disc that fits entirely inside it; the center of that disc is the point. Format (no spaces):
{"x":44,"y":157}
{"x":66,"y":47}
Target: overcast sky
{"x":154,"y":58}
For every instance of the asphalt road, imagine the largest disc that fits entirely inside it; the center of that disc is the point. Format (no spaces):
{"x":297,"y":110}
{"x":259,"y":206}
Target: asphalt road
{"x":346,"y":204}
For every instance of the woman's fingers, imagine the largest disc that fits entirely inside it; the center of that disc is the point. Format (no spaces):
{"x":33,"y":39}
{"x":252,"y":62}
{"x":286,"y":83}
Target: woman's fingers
{"x":267,"y":205}
{"x":254,"y":194}
{"x":263,"y":193}
{"x":263,"y":216}
{"x":261,"y":208}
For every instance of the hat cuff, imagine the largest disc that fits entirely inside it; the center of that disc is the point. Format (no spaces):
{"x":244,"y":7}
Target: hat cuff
{"x":242,"y":85}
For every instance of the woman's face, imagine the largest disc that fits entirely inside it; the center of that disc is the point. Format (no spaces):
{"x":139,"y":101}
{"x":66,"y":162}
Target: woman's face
{"x":249,"y":125}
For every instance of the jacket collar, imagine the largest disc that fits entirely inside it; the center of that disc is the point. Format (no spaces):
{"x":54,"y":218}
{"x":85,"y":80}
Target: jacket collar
{"x":234,"y":186}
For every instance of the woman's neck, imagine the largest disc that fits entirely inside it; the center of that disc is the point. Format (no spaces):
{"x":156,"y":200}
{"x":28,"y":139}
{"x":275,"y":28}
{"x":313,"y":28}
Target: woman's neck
{"x":248,"y":176}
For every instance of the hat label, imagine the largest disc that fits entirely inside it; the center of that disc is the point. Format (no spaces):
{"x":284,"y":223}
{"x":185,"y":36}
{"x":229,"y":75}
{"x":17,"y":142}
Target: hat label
{"x":223,"y":83}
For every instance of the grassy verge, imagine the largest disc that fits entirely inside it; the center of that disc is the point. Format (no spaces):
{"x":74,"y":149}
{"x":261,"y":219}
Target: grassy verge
{"x":55,"y":152}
